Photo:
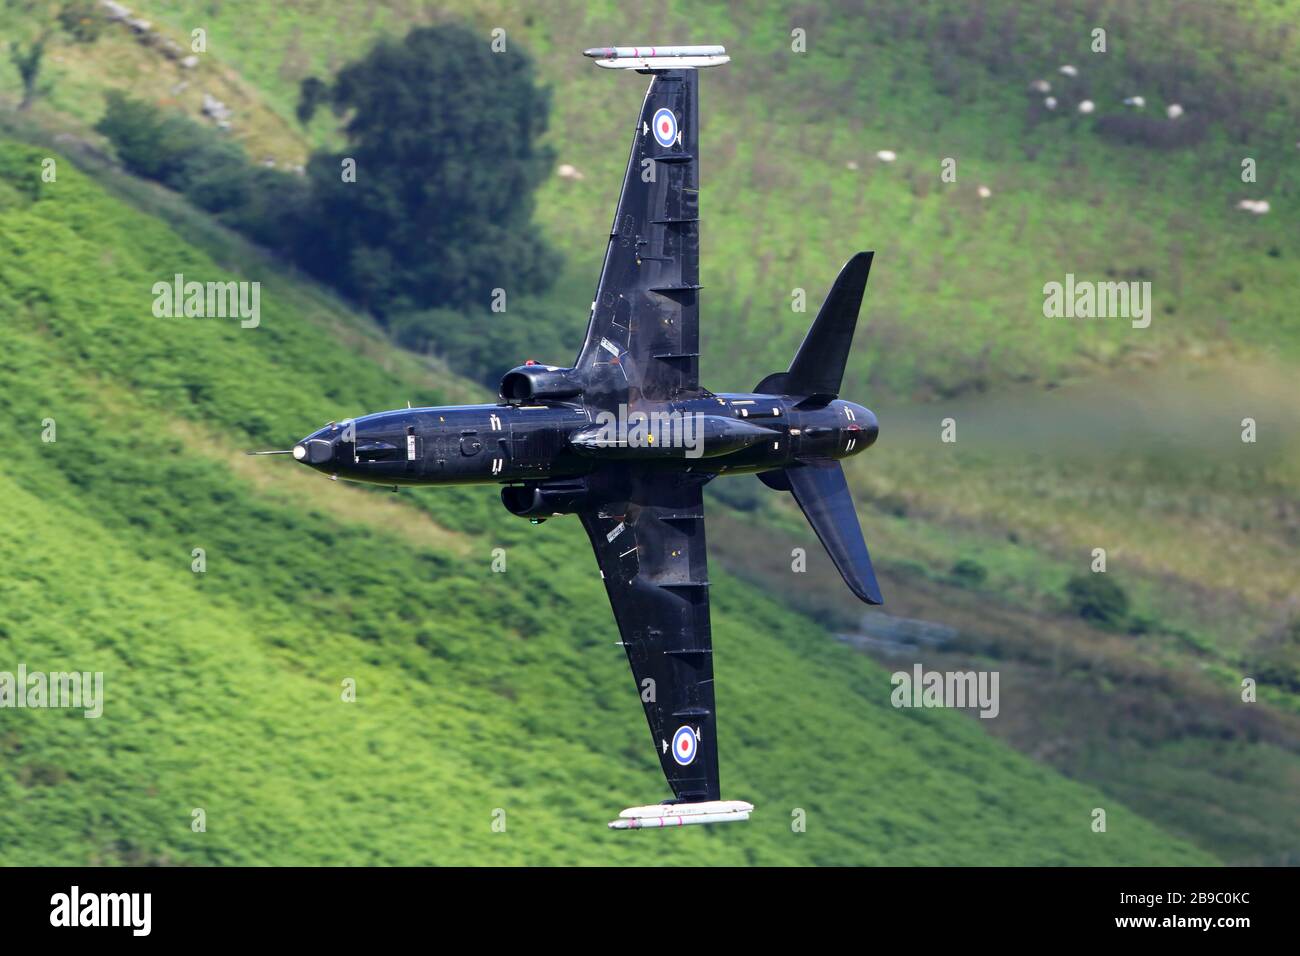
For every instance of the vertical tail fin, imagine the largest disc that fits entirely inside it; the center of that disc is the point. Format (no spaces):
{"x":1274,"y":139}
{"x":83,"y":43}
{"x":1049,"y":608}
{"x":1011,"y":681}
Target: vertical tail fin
{"x":818,"y":366}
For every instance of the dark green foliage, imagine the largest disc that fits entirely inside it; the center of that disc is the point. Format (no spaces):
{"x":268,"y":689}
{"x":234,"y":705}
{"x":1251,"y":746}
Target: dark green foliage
{"x":1097,"y":598}
{"x":215,"y":175}
{"x":312,"y":93}
{"x":444,"y":135}
{"x":148,"y":142}
{"x":422,"y":331}
{"x":273,"y":209}
{"x":743,"y":494}
{"x":81,"y":20}
{"x":1279,"y":662}
{"x":968,"y":573}
{"x":28,"y":64}
{"x":483,"y":344}
{"x":212,"y":172}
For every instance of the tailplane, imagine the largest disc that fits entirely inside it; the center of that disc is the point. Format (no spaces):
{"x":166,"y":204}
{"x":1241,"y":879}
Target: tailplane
{"x":823,"y":495}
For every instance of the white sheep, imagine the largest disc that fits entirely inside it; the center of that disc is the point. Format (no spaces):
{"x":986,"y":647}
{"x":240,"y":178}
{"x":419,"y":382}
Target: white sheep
{"x":1087,"y":106}
{"x":1174,"y":111}
{"x":1050,"y":102}
{"x":886,"y":155}
{"x":1136,"y":101}
{"x":1069,"y":70}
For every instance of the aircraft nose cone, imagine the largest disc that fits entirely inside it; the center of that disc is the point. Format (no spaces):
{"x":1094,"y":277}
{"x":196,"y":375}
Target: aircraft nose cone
{"x":314,"y":451}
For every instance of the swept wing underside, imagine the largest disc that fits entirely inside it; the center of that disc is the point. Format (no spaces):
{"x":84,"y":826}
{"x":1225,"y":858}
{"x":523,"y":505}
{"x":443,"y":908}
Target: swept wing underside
{"x":648,"y":536}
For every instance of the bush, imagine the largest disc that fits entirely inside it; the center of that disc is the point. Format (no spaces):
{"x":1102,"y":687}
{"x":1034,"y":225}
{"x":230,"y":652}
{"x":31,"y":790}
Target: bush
{"x":274,"y":211}
{"x":1279,"y":663}
{"x":81,"y":20}
{"x":148,"y":143}
{"x":483,"y":345}
{"x":215,"y":176}
{"x":968,"y":573}
{"x":744,"y":493}
{"x":1097,"y":599}
{"x":425,"y":330}
{"x":269,"y":206}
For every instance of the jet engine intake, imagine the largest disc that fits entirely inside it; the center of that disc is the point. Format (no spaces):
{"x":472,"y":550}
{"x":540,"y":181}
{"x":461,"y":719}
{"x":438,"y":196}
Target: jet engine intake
{"x":544,"y":499}
{"x":537,"y":383}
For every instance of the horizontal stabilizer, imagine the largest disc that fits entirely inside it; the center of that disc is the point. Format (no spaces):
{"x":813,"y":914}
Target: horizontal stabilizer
{"x":823,"y":494}
{"x":682,"y":814}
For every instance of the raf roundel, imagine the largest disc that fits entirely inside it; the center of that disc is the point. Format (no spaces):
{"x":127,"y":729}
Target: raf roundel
{"x":685,"y":746}
{"x":665,"y":127}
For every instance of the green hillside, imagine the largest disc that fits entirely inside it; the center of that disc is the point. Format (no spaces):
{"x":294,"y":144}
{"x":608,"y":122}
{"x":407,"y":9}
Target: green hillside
{"x":1073,"y":434}
{"x":956,"y":295}
{"x":475,"y":690}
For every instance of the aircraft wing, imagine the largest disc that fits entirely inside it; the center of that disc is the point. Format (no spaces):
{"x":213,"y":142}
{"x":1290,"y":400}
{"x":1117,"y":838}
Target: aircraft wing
{"x":649,"y":541}
{"x":643,"y":334}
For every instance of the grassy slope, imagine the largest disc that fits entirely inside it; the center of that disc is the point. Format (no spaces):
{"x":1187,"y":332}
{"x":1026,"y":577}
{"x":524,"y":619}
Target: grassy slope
{"x":1202,"y":542}
{"x":476,"y":690}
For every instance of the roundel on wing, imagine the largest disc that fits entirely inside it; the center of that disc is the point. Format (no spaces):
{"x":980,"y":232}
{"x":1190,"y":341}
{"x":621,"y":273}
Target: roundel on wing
{"x":685,"y":746}
{"x":665,"y":127}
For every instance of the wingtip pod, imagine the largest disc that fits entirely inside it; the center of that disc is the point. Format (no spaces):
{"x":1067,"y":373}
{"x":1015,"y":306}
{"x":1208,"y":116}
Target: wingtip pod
{"x":641,"y":52}
{"x":657,"y":57}
{"x":656,"y":816}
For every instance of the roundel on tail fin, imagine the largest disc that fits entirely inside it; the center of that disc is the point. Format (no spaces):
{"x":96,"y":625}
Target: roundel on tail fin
{"x":664,"y":126}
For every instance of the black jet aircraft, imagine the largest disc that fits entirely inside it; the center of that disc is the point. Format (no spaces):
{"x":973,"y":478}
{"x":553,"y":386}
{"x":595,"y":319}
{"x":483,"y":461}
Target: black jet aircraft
{"x":627,"y":438}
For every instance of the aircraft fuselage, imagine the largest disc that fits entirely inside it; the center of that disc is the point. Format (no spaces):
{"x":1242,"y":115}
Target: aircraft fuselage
{"x":505,"y":443}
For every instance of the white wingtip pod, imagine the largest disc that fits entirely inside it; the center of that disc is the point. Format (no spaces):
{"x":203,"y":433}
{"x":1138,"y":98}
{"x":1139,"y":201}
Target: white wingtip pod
{"x":657,"y":57}
{"x":682,"y":814}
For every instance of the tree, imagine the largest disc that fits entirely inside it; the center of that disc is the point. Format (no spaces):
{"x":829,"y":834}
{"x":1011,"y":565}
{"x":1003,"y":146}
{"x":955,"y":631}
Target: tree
{"x":444,"y":137}
{"x":28,"y":64}
{"x":312,"y":92}
{"x":80,"y":21}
